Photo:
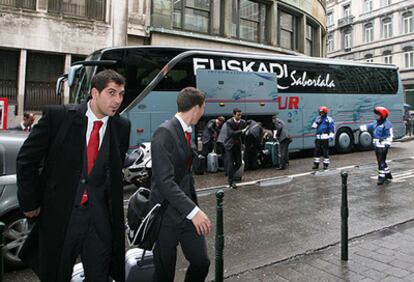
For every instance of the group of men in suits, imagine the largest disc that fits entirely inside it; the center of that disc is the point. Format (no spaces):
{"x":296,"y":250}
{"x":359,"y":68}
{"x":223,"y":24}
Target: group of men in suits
{"x":69,"y":177}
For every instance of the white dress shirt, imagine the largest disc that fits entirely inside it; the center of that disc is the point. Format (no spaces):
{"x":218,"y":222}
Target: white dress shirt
{"x":91,"y":119}
{"x":187,"y":128}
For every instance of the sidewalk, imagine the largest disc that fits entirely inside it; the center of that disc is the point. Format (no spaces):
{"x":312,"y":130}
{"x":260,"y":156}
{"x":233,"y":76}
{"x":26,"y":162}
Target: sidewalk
{"x":385,"y":255}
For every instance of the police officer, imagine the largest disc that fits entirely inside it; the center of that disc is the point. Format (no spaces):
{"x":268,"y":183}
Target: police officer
{"x":325,"y":131}
{"x":381,"y":130}
{"x":210,"y":134}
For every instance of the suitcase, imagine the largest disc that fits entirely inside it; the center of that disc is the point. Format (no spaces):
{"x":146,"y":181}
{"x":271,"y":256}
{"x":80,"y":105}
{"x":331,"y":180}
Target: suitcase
{"x":273,"y":148}
{"x":199,"y":165}
{"x":139,"y":268}
{"x":212,"y":162}
{"x":78,"y":274}
{"x":239,"y":173}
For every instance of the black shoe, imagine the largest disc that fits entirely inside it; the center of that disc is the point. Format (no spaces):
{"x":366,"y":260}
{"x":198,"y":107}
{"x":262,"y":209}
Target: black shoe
{"x":283,"y":167}
{"x":315,"y":166}
{"x":233,"y":186}
{"x":381,"y":181}
{"x":325,"y":167}
{"x":388,"y":176}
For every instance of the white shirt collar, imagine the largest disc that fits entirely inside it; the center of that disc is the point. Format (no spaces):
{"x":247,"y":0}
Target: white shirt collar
{"x":91,"y":116}
{"x":185,"y":127}
{"x":235,"y":120}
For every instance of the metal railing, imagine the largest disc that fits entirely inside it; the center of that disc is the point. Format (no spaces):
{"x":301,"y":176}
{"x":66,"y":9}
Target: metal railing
{"x":348,"y":20}
{"x":39,"y":94}
{"x":26,"y":4}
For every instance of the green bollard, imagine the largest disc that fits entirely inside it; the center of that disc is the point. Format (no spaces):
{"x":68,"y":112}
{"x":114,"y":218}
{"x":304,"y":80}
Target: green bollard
{"x":344,"y":217}
{"x":219,"y":237}
{"x":2,"y":228}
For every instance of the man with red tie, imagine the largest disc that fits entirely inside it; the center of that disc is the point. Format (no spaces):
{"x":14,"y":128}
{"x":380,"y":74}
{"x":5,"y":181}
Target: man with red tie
{"x":26,"y":124}
{"x":76,"y":199}
{"x":172,"y":184}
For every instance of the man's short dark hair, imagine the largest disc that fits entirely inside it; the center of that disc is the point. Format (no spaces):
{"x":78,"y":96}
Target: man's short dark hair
{"x":101,"y":79}
{"x":236,"y":110}
{"x":188,"y":98}
{"x":221,"y":119}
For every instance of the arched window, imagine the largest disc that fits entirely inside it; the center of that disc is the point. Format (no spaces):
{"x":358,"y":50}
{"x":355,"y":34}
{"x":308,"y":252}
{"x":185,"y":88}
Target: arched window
{"x":386,"y":28}
{"x":368,"y":32}
{"x":387,"y":57}
{"x":408,"y":25}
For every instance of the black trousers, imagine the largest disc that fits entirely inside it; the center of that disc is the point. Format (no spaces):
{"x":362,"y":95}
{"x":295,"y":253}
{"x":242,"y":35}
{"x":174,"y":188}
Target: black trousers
{"x":381,"y":154}
{"x":83,"y":239}
{"x":284,"y":152}
{"x":194,"y":248}
{"x":250,"y":156}
{"x":207,"y":148}
{"x":233,"y":162}
{"x":321,"y":148}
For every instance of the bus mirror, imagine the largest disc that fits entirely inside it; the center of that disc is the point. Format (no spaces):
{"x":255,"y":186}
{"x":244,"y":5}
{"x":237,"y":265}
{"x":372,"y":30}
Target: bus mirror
{"x":72,"y":74}
{"x":59,"y":84}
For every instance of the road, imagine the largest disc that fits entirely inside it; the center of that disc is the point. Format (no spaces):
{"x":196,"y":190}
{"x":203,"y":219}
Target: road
{"x":297,"y":211}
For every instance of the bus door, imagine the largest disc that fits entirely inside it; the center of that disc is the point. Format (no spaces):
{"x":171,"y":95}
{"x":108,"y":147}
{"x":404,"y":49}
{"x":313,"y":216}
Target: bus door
{"x":225,"y":90}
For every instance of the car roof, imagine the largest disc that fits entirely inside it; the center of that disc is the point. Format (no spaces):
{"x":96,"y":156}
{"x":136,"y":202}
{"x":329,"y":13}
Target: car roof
{"x":10,"y":143}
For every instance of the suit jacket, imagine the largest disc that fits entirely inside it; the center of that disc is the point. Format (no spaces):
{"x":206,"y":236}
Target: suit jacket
{"x":234,"y":132}
{"x":54,"y":188}
{"x":172,"y":181}
{"x":209,"y":131}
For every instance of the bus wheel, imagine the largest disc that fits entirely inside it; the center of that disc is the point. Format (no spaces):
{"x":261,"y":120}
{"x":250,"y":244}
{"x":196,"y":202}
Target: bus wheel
{"x":365,"y":141}
{"x":344,"y":141}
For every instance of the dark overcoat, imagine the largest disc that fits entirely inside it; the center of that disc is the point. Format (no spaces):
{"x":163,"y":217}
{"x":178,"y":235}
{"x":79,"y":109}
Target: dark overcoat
{"x":53,"y":188}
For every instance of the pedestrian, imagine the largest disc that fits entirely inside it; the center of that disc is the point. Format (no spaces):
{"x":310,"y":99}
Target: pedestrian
{"x":381,"y":130}
{"x":235,"y":126}
{"x":77,"y":198}
{"x":172,"y":183}
{"x":407,"y":122}
{"x":26,"y":124}
{"x":325,"y":131}
{"x":210,"y":134}
{"x":282,"y":135}
{"x":253,"y":143}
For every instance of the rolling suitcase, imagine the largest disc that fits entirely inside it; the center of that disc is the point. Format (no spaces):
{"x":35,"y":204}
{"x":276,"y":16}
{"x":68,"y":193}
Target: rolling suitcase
{"x":273,"y":148}
{"x":238,"y":175}
{"x":212,"y":162}
{"x":139,"y":267}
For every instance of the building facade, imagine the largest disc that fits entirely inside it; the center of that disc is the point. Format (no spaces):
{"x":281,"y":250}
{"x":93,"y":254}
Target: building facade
{"x":374,"y":31}
{"x":39,"y":39}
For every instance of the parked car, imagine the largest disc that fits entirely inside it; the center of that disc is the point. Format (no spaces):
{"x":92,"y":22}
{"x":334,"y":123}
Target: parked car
{"x":17,"y":227}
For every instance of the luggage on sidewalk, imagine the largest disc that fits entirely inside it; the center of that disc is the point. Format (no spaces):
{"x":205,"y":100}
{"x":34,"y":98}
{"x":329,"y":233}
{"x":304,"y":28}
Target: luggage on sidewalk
{"x":78,"y":275}
{"x":139,"y":267}
{"x":199,"y":165}
{"x":212,"y":162}
{"x":238,"y":175}
{"x":273,"y":148}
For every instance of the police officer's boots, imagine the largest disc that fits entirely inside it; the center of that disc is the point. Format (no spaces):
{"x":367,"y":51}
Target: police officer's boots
{"x":325,"y":166}
{"x":381,"y":180}
{"x":388,"y":176}
{"x":315,"y":166}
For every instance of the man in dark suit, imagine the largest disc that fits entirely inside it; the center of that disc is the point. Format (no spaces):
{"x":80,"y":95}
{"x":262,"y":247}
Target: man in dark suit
{"x":253,"y":143}
{"x":26,"y":124}
{"x":210,"y":134}
{"x":235,"y":126}
{"x":77,"y":198}
{"x":172,"y":184}
{"x":281,"y":133}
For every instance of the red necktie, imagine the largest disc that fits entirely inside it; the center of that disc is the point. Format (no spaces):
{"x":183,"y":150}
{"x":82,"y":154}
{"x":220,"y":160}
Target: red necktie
{"x":188,"y":137}
{"x":93,"y":147}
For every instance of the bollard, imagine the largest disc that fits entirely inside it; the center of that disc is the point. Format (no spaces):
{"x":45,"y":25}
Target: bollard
{"x":219,"y":237}
{"x":2,"y":228}
{"x":344,"y":217}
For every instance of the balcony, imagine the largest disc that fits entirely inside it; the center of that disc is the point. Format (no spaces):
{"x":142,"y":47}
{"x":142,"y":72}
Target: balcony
{"x":345,"y":21}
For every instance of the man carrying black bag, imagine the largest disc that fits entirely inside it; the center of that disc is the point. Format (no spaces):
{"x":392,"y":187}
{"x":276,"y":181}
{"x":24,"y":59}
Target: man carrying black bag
{"x":172,"y":184}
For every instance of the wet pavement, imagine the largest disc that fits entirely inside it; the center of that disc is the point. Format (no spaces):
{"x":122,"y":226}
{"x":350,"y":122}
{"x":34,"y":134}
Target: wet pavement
{"x":298,"y":213}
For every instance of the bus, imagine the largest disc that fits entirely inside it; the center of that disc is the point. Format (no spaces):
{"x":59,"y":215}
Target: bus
{"x":261,"y":85}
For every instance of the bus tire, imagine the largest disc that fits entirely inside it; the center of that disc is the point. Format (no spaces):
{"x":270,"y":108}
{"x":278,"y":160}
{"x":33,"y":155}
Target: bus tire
{"x":344,"y":142}
{"x":364,"y":141}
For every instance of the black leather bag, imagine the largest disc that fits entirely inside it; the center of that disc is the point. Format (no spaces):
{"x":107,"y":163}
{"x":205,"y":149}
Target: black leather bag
{"x":143,"y":220}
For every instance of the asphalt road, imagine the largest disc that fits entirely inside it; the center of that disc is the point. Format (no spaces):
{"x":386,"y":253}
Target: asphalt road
{"x":298,"y":210}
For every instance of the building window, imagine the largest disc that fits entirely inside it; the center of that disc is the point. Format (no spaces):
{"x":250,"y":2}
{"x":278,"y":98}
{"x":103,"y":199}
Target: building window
{"x":386,"y":28}
{"x":367,"y":6}
{"x":330,"y":43}
{"x":310,"y":34}
{"x":368,"y":33}
{"x":192,"y":15}
{"x":347,"y":11}
{"x":9,"y":68}
{"x":368,"y":58}
{"x":409,"y":58}
{"x":329,"y":19}
{"x":385,"y":3}
{"x":25,"y":4}
{"x":249,"y":20}
{"x":287,"y":30}
{"x":388,"y":59}
{"x":347,"y":40}
{"x":408,"y":22}
{"x":93,"y":9}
